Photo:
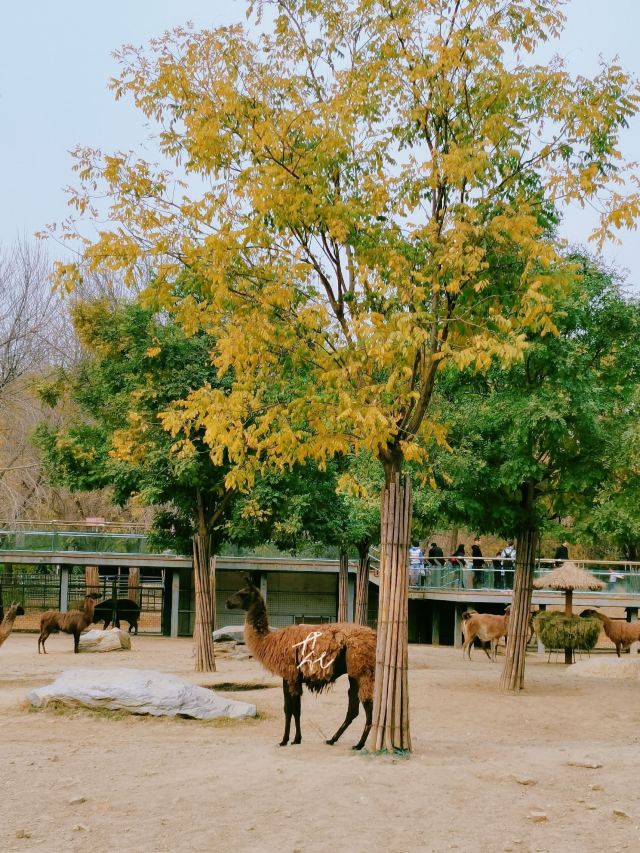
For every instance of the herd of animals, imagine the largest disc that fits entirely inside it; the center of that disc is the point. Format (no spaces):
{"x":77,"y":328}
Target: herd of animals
{"x":311,"y":655}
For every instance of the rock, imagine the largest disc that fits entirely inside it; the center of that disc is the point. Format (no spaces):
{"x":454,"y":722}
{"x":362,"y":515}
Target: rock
{"x":606,"y":666}
{"x":80,"y":827}
{"x":537,"y":816}
{"x":139,"y":691}
{"x":524,"y":780}
{"x":620,"y":813}
{"x":590,"y":765}
{"x":230,"y":632}
{"x":23,"y":833}
{"x":113,"y":640}
{"x":76,"y":801}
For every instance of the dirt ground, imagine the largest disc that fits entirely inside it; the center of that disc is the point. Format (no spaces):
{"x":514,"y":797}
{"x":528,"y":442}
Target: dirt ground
{"x":488,"y":772}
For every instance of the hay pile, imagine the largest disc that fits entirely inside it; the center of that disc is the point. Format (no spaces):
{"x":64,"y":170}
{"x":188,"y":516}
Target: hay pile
{"x":560,"y":631}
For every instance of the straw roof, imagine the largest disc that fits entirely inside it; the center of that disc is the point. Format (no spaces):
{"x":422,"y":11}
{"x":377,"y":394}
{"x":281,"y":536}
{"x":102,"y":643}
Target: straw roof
{"x":568,"y":576}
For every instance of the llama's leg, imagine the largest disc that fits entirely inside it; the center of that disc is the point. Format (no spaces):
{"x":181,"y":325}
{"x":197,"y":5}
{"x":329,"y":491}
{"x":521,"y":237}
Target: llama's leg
{"x":618,"y":647}
{"x":76,"y":642}
{"x":296,"y":699}
{"x":493,"y":647}
{"x":41,"y":639}
{"x":466,"y":647}
{"x":352,"y":710}
{"x":288,"y":710}
{"x":368,"y":710}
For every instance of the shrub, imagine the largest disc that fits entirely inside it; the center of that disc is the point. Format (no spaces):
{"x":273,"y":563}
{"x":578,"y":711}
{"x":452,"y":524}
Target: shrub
{"x":559,"y":631}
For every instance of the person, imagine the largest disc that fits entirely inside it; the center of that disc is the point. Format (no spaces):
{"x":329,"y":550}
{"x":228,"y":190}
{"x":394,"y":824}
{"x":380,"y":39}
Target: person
{"x":478,"y":562}
{"x":614,"y":577}
{"x":457,"y":558}
{"x":508,"y":563}
{"x":498,"y":571}
{"x":436,"y":555}
{"x":416,"y":565}
{"x":562,"y":553}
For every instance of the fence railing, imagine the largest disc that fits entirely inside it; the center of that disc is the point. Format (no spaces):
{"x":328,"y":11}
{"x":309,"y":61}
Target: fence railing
{"x":618,"y":576}
{"x":73,"y":541}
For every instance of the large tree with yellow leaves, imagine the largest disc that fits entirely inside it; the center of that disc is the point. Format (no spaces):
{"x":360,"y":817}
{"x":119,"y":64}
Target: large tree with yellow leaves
{"x":345,"y":179}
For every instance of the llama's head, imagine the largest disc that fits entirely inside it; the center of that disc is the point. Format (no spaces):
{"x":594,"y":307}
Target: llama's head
{"x":590,"y":614}
{"x":245,"y":597}
{"x":16,"y":608}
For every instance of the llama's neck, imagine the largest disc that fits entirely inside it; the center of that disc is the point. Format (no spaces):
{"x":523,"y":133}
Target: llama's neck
{"x":256,"y":625}
{"x":89,"y":610}
{"x":6,"y":625}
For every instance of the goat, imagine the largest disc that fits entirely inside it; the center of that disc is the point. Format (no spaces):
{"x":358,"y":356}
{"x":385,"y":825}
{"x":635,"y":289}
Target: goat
{"x":487,"y":627}
{"x":622,"y":634}
{"x":73,"y":622}
{"x":6,"y":626}
{"x":127,"y":610}
{"x":314,"y":655}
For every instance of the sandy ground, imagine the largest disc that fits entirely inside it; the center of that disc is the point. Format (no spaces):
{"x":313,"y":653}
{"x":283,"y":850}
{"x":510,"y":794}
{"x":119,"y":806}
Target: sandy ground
{"x":483,"y":766}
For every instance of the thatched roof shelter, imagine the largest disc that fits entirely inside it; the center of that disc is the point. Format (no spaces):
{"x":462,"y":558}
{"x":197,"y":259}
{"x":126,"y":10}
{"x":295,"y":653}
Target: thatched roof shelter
{"x":568,"y":576}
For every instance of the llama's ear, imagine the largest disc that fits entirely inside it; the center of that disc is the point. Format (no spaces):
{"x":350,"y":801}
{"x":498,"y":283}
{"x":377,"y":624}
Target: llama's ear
{"x":249,"y":582}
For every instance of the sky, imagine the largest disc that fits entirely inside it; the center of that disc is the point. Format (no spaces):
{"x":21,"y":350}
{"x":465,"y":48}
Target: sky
{"x":56,"y":62}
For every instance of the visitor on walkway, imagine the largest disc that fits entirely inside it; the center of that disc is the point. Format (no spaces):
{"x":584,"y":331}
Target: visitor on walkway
{"x":498,"y":571}
{"x":478,"y":563}
{"x":508,"y":563}
{"x":436,"y":556}
{"x":562,"y":553}
{"x":416,"y":565}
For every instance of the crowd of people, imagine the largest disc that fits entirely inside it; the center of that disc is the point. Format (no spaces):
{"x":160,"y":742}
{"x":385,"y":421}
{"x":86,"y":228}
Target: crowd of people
{"x":495,"y":572}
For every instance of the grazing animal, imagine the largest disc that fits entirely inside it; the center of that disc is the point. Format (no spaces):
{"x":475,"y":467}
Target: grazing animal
{"x":6,"y":626}
{"x":128,"y":610}
{"x":73,"y":622}
{"x":314,"y":655}
{"x":622,"y":634}
{"x":487,"y":627}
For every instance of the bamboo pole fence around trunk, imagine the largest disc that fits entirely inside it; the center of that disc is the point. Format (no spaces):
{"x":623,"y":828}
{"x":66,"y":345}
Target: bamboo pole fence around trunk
{"x":133,"y":587}
{"x":204,"y":578}
{"x":362,"y":588}
{"x":92,"y":580}
{"x":343,"y":587}
{"x":390,"y":730}
{"x":514,"y":664}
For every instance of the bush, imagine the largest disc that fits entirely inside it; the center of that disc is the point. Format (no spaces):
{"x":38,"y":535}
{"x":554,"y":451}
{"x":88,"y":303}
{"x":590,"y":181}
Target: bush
{"x":559,"y":631}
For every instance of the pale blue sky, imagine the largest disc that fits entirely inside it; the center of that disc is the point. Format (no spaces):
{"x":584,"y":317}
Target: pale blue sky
{"x":55,"y":63}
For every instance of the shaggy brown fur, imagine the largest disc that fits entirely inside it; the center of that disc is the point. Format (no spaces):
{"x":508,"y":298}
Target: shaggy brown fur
{"x":6,"y":627}
{"x":73,"y":622}
{"x":487,"y":627}
{"x":619,"y":632}
{"x":314,"y":655}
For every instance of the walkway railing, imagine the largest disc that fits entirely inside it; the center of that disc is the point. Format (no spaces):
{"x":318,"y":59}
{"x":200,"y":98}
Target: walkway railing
{"x":618,"y":576}
{"x":73,"y":541}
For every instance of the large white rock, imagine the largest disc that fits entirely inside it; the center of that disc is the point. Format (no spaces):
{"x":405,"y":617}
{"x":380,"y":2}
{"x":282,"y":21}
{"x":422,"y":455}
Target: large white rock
{"x":139,"y":691}
{"x":113,"y":640}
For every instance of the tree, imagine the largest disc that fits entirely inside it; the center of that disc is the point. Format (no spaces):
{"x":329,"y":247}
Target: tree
{"x":541,"y":440}
{"x":137,"y":363}
{"x":354,"y":173}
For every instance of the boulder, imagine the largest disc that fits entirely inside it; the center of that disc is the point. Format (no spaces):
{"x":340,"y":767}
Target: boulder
{"x":113,"y":640}
{"x":139,"y":691}
{"x":606,"y":666}
{"x":230,"y":632}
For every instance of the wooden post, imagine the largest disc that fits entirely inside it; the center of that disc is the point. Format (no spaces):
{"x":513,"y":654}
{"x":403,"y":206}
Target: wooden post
{"x":457,"y":626}
{"x":64,"y":589}
{"x":362,"y":586}
{"x":541,"y":649}
{"x":435,"y":623}
{"x":343,"y":583}
{"x":390,"y":730}
{"x":175,"y":603}
{"x":632,"y":616}
{"x":205,"y":598}
{"x":568,"y":609}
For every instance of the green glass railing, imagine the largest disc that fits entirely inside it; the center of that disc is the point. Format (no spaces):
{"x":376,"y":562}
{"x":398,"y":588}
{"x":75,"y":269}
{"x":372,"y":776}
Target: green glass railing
{"x":73,"y":541}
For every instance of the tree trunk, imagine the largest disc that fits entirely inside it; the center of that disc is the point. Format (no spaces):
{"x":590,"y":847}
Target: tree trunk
{"x":362,"y":585}
{"x":343,"y":587}
{"x":390,"y":729}
{"x":205,"y":604}
{"x":134,"y":592}
{"x":513,"y":673}
{"x":568,"y":609}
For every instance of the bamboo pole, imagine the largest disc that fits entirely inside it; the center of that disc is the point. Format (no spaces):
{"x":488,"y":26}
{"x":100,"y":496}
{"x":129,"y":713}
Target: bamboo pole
{"x":390,"y":730}
{"x":134,"y":585}
{"x":202,"y":635}
{"x":343,"y":587}
{"x":362,"y":587}
{"x":92,"y":579}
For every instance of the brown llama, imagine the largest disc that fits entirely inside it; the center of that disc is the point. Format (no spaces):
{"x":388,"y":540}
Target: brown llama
{"x":487,"y":627}
{"x":6,"y":626}
{"x":314,"y":655}
{"x":73,"y":622}
{"x":622,"y":634}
